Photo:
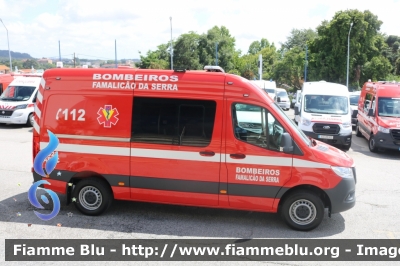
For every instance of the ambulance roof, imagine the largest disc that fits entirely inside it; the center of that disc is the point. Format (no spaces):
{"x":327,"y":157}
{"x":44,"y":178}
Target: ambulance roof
{"x":26,"y":81}
{"x":324,"y":88}
{"x":384,"y":88}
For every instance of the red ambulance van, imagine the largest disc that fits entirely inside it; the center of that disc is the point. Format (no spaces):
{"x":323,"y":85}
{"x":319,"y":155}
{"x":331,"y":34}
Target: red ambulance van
{"x":196,"y":138}
{"x":379,"y":115}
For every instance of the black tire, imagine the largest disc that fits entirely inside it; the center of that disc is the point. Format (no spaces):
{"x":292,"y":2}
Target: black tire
{"x":371,"y":144}
{"x":302,"y":210}
{"x":29,"y":121}
{"x":92,"y":196}
{"x":358,"y":132}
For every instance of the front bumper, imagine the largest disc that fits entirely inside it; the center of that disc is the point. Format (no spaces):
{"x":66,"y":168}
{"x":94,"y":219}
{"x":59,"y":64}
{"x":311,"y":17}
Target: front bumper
{"x":342,"y":197}
{"x":284,"y":105}
{"x":336,"y":139}
{"x":17,"y":117}
{"x":385,"y":141}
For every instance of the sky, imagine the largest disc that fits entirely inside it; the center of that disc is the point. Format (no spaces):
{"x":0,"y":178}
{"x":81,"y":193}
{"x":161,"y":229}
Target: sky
{"x":90,"y":29}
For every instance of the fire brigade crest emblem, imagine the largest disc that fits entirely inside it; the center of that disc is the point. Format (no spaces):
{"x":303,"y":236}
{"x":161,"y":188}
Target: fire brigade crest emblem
{"x":107,"y":116}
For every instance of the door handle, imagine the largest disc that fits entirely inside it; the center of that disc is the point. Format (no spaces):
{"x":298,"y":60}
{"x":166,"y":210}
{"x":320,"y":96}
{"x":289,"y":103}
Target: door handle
{"x":238,"y":156}
{"x":207,"y":153}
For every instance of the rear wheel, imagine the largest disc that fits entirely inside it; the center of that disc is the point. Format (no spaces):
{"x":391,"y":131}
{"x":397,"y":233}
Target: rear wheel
{"x":358,"y":133}
{"x":92,"y":196}
{"x":302,"y":210}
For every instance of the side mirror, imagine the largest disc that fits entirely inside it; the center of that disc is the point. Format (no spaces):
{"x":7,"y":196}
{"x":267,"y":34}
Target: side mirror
{"x":296,"y":110}
{"x":371,"y":112}
{"x":286,"y":143}
{"x":279,"y":99}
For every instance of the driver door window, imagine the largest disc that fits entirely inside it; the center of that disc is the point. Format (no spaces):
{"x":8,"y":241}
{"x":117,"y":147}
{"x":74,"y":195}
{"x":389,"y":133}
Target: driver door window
{"x":257,"y":126}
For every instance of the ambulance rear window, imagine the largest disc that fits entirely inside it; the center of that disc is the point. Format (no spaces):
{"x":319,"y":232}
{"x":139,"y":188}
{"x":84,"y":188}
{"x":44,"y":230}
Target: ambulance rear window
{"x":173,"y":121}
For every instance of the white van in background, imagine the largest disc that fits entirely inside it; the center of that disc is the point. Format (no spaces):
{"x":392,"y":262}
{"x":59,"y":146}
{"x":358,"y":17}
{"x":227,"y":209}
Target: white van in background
{"x":268,"y":86}
{"x":18,"y":100}
{"x":282,"y":99}
{"x":324,"y":113}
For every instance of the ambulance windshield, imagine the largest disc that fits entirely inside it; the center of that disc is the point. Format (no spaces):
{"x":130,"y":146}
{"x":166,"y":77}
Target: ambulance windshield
{"x":389,"y":107}
{"x":17,"y":93}
{"x":326,"y":104}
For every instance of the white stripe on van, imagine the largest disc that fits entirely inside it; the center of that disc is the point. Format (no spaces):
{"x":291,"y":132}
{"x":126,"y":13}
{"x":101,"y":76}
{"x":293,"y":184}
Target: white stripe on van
{"x":39,"y":97}
{"x":309,"y":164}
{"x":36,"y":126}
{"x":38,"y":113}
{"x":42,"y":82}
{"x":174,"y":155}
{"x":261,"y":160}
{"x":84,"y":137}
{"x":184,"y":155}
{"x":90,"y":149}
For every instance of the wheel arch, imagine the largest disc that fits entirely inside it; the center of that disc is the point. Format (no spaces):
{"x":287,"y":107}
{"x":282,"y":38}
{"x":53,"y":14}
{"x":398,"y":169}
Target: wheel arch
{"x":81,"y":176}
{"x":316,"y":190}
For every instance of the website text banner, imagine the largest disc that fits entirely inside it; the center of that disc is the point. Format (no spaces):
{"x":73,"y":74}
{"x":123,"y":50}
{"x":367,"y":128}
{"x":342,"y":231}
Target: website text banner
{"x":202,"y":250}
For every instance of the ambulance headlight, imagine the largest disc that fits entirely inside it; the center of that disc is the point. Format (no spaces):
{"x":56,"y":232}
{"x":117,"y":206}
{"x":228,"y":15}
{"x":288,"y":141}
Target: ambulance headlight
{"x":344,"y":172}
{"x":347,"y":124}
{"x":305,"y":121}
{"x":383,"y":129}
{"x":22,"y":106}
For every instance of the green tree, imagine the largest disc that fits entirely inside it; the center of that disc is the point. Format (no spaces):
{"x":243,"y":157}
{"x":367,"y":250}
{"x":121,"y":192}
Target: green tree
{"x":269,"y":57}
{"x":392,"y":52}
{"x":257,"y":46}
{"x":328,"y":51}
{"x":186,"y":51}
{"x":156,"y":59}
{"x":290,"y":69}
{"x":299,"y":38}
{"x":247,"y":66}
{"x":225,"y":48}
{"x":377,"y":68}
{"x":46,"y":66}
{"x":30,"y":63}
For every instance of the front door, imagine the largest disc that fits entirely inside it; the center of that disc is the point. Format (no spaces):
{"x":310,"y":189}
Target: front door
{"x":256,"y":167}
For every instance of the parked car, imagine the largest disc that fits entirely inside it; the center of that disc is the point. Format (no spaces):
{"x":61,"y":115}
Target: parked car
{"x":354,"y":97}
{"x":282,"y":98}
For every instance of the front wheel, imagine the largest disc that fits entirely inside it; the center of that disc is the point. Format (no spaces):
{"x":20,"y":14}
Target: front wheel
{"x":29,"y":121}
{"x":302,"y":210}
{"x":346,"y":147}
{"x":92,"y":196}
{"x":372,"y":144}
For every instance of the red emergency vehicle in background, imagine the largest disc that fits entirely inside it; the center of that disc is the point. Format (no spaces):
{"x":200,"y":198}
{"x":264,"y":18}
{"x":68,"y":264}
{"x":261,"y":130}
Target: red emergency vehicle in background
{"x":5,"y":80}
{"x":197,"y":138}
{"x":378,"y":117}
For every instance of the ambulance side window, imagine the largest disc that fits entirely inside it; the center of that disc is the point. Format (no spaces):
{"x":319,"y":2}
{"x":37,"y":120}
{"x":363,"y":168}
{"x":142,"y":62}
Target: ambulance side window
{"x":173,"y":121}
{"x":373,"y":104}
{"x":367,"y":102}
{"x":257,"y":126}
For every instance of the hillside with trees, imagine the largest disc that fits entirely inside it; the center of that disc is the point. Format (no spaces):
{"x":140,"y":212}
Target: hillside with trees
{"x":14,"y":55}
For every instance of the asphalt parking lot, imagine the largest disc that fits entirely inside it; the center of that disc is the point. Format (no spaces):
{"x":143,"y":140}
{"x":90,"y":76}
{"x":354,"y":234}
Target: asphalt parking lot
{"x":375,"y":216}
